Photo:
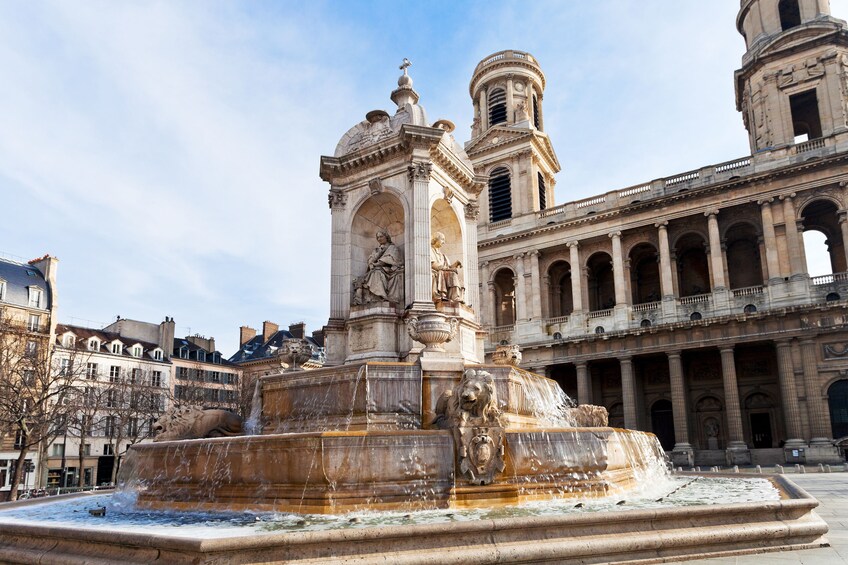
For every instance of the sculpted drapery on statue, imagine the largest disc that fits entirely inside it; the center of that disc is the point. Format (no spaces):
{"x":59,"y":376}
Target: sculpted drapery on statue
{"x":447,"y":284}
{"x":384,"y":278}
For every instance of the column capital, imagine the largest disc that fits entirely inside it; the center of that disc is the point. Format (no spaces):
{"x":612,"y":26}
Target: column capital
{"x":661,"y":225}
{"x":534,"y":253}
{"x":336,"y":199}
{"x":726,"y":348}
{"x":842,"y":215}
{"x":572,"y":244}
{"x":581,"y":364}
{"x":674,"y":353}
{"x":711,"y":213}
{"x":484,"y":264}
{"x":614,"y":234}
{"x":781,"y":343}
{"x":419,"y":170}
{"x":787,"y":197}
{"x":491,"y":285}
{"x":626,"y":359}
{"x":519,"y":256}
{"x":764,"y":202}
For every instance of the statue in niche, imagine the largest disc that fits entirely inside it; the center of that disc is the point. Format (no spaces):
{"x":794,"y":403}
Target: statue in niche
{"x":447,"y":284}
{"x":384,"y":278}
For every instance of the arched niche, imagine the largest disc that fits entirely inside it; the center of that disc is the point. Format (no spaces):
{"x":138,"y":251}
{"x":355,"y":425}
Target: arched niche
{"x":443,"y":219}
{"x":380,"y":211}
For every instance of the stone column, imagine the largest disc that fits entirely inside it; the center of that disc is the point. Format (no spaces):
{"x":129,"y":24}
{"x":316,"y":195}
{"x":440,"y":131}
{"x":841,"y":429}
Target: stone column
{"x":843,"y":225}
{"x":419,"y":178}
{"x":549,"y":306}
{"x":789,"y":394}
{"x":682,"y":454}
{"x":536,"y":284}
{"x":472,"y":275}
{"x":492,"y":304}
{"x":576,"y":276}
{"x":628,"y":393}
{"x":794,"y":244}
{"x":520,"y":298}
{"x":584,"y":385}
{"x":484,"y":110}
{"x":483,"y":295}
{"x":770,"y":241}
{"x":666,"y":284}
{"x":510,"y":106}
{"x":340,"y":275}
{"x":737,"y":451}
{"x":716,"y":260}
{"x":812,"y":385}
{"x":618,"y":269}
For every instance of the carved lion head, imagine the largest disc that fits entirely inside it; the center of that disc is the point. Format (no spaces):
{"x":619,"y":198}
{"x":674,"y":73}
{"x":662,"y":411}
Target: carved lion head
{"x":475,"y":396}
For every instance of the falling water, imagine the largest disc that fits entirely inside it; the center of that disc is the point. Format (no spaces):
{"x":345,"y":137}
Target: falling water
{"x":253,"y":425}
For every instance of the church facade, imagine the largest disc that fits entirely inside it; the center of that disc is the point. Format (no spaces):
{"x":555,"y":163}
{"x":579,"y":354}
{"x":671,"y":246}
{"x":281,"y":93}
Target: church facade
{"x":684,"y":305}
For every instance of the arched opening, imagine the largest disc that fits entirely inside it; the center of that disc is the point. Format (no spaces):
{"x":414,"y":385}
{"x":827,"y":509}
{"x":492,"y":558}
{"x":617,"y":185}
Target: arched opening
{"x":693,"y":274}
{"x":497,"y":106}
{"x":504,"y":297}
{"x":837,"y":401}
{"x":381,"y":211}
{"x":443,"y":220}
{"x":823,"y":245}
{"x":744,"y":266}
{"x":790,"y":14}
{"x":560,"y":298}
{"x":759,"y":408}
{"x":500,"y":195}
{"x":644,"y":274}
{"x":662,"y":423}
{"x":600,"y":282}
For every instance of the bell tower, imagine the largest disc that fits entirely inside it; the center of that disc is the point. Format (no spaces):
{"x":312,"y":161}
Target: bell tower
{"x":791,"y":88}
{"x":508,"y":141}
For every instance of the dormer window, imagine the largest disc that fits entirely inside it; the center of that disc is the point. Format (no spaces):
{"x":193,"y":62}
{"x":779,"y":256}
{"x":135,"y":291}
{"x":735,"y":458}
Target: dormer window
{"x":183,"y":352}
{"x":201,"y":355}
{"x":136,"y":351}
{"x":69,"y":340}
{"x":157,"y":354}
{"x":93,"y":344}
{"x":117,"y":348}
{"x":35,"y":297}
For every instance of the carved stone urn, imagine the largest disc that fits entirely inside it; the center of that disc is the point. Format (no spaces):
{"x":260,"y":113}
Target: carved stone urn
{"x":433,"y":330}
{"x":507,"y":355}
{"x":294,"y":352}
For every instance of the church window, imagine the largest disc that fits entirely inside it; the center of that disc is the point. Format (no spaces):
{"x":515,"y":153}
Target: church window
{"x":535,"y":111}
{"x":500,"y":195}
{"x":497,"y":106}
{"x":790,"y":14}
{"x":806,"y":123}
{"x":542,"y":200}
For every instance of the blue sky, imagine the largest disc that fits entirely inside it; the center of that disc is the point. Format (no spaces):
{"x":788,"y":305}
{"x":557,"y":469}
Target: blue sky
{"x":167,"y":152}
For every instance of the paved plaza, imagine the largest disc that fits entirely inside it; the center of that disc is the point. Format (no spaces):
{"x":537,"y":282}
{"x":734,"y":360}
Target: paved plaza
{"x":831,"y":489}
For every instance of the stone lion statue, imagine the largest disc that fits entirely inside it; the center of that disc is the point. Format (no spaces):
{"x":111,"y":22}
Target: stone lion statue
{"x":192,"y":422}
{"x":472,"y":402}
{"x":589,"y":416}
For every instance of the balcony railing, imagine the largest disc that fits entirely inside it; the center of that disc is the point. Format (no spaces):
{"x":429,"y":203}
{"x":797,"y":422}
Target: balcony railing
{"x":811,"y":145}
{"x":646,"y":306}
{"x":695,"y":299}
{"x":600,"y":313}
{"x":829,"y":279}
{"x":557,"y":320}
{"x":747,"y":291}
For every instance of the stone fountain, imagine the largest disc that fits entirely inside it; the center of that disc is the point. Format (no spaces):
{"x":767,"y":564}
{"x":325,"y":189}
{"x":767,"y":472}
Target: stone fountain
{"x":407,"y":414}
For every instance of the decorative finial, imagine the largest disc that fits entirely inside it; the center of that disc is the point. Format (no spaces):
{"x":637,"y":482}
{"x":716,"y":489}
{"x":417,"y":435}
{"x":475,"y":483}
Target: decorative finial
{"x":405,"y":65}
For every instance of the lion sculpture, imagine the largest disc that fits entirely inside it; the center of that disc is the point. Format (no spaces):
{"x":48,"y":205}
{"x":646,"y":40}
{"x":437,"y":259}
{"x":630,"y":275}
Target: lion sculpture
{"x":191,"y":422}
{"x":472,"y":402}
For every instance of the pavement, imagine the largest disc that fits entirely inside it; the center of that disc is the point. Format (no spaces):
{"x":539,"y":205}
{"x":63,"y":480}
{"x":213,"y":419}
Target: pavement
{"x":831,"y":490}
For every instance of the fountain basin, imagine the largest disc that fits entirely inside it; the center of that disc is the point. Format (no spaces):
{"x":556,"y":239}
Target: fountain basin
{"x":653,"y":534}
{"x":332,"y":472}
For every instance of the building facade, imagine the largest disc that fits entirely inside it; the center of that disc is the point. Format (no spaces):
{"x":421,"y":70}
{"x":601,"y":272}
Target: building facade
{"x":684,"y":305}
{"x":28,"y":302}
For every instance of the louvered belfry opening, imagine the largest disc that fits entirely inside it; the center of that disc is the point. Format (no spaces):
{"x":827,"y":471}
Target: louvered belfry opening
{"x":535,"y":112}
{"x":500,"y":195}
{"x":542,"y":201}
{"x":497,"y":106}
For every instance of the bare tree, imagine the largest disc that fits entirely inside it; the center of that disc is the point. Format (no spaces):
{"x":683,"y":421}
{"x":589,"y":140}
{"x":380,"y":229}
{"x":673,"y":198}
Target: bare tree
{"x":86,"y":402}
{"x":33,"y":390}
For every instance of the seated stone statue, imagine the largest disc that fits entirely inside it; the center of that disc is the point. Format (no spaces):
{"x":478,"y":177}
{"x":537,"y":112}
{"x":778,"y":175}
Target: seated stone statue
{"x":447,"y":283}
{"x":384,"y":278}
